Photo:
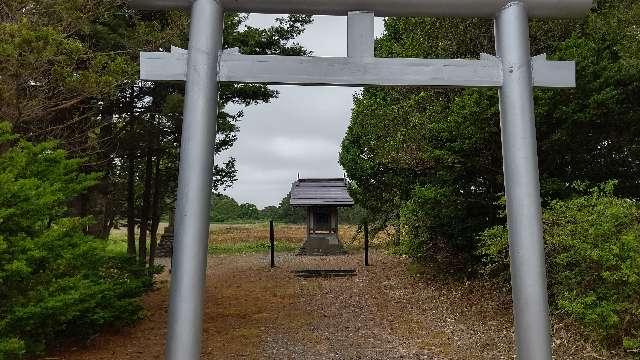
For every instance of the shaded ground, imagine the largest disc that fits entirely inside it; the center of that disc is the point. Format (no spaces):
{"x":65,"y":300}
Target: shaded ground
{"x":382,"y":313}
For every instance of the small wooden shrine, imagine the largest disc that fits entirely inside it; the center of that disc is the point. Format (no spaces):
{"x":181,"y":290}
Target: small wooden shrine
{"x":321,"y":198}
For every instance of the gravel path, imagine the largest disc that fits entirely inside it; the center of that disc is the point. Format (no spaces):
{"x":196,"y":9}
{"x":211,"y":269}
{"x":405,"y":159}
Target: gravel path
{"x":383,"y":312}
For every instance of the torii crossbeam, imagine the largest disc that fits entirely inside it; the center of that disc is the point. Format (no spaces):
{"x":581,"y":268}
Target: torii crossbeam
{"x":513,"y":71}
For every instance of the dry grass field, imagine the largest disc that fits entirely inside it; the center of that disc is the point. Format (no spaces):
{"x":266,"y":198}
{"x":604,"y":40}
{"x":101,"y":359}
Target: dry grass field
{"x":284,"y":233}
{"x":254,"y":238}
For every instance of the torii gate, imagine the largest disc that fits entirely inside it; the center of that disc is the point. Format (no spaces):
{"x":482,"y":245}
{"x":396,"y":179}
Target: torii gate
{"x":513,"y":71}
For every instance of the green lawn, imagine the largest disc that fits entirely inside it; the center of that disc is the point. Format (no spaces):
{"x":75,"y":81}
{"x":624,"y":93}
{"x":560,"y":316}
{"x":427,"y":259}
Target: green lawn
{"x":249,"y":248}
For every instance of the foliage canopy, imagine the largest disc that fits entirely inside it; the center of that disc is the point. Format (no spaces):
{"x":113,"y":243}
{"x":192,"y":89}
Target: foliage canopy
{"x":54,"y":280}
{"x":429,"y":161}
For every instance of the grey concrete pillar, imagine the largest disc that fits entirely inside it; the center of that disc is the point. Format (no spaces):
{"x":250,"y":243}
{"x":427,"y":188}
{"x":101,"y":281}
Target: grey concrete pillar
{"x":519,"y":149}
{"x":194,"y":183}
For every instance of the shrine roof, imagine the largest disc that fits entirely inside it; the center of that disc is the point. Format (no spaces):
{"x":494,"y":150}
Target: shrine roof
{"x":320,"y":192}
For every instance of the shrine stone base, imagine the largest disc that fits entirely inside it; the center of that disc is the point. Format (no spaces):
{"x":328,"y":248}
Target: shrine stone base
{"x":322,"y":245}
{"x":165,"y":246}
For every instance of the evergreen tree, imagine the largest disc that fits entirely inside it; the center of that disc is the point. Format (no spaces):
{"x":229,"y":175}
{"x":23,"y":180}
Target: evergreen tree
{"x":429,"y":161}
{"x":70,"y":72}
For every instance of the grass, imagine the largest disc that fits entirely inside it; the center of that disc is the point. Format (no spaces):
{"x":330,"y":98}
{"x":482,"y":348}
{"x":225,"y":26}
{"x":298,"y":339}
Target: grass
{"x":229,"y":239}
{"x":116,"y":244}
{"x":249,"y":248}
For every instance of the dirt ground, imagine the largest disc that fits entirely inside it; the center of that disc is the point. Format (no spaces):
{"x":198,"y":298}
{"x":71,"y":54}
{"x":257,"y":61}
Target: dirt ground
{"x":384,"y":312}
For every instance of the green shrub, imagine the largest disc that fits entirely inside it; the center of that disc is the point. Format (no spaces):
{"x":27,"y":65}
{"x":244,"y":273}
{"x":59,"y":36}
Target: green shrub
{"x":593,"y":262}
{"x":55,"y":281}
{"x":422,"y":219}
{"x":430,"y":228}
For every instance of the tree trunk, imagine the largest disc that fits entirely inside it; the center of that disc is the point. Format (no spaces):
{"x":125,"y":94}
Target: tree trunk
{"x":145,"y":210}
{"x":131,"y":221}
{"x":105,"y":190}
{"x":155,"y":217}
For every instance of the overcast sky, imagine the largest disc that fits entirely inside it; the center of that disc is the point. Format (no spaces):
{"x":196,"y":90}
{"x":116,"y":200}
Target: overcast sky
{"x":301,"y":131}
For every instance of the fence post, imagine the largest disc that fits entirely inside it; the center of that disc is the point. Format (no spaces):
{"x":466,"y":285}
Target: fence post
{"x":272,"y":242}
{"x":366,"y":244}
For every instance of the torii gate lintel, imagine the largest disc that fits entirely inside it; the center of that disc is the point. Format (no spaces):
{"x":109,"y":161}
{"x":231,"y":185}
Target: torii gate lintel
{"x":354,"y":71}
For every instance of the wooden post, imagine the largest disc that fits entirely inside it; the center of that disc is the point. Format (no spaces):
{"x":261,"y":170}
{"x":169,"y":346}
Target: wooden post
{"x":366,"y":244}
{"x":272,"y":242}
{"x":308,"y":221}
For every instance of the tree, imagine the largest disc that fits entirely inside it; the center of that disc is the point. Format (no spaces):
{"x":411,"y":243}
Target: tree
{"x":270,"y":213}
{"x":160,"y":108}
{"x":290,"y":214}
{"x":55,"y":281}
{"x":69,"y":67}
{"x":70,"y":72}
{"x":352,"y":215}
{"x":429,"y":161}
{"x":224,"y":208}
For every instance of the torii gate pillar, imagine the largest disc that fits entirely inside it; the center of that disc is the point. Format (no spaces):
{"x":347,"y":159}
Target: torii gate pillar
{"x":194,"y":182}
{"x":514,"y":72}
{"x":522,"y":184}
